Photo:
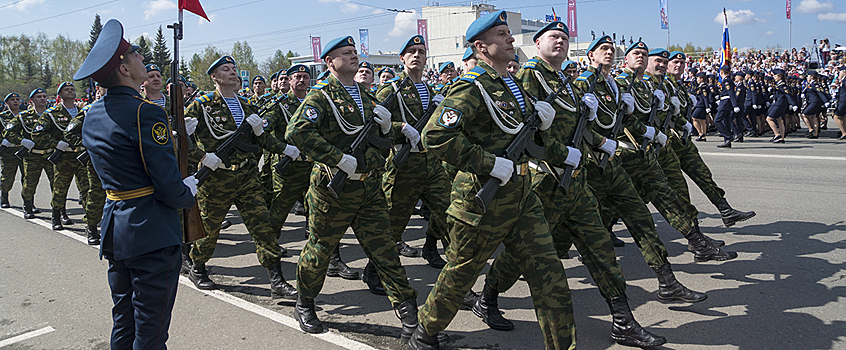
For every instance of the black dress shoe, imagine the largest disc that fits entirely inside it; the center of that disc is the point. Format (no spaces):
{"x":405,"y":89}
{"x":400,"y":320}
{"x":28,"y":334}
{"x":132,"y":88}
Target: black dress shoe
{"x":841,"y":137}
{"x":701,"y":138}
{"x":225,"y":224}
{"x":65,"y":219}
{"x":200,"y":276}
{"x":779,"y":140}
{"x":307,"y":315}
{"x":726,"y":144}
{"x":407,"y":251}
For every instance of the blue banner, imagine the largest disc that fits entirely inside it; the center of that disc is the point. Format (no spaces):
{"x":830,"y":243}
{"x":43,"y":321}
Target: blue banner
{"x":665,"y":17}
{"x":364,"y":37}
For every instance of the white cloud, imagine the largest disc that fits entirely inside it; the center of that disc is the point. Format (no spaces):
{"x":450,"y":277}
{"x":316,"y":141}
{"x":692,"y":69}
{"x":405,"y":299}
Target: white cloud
{"x":212,"y":18}
{"x":832,"y":16}
{"x":739,"y":18}
{"x":377,"y":11}
{"x":814,"y":6}
{"x":23,"y":5}
{"x":405,"y":24}
{"x":769,"y":32}
{"x":346,"y":6}
{"x":154,"y":7}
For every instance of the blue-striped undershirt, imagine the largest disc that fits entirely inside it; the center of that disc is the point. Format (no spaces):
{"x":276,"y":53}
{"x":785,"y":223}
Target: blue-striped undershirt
{"x":353,"y":91}
{"x":424,"y":94}
{"x":516,"y":92}
{"x":235,"y":109}
{"x":160,"y":102}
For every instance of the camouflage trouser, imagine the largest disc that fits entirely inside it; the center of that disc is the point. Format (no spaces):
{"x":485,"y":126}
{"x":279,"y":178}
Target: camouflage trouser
{"x":422,"y":177}
{"x":267,"y":178}
{"x":669,"y":163}
{"x":451,"y":171}
{"x":287,"y":188}
{"x":515,"y":218}
{"x":33,"y":164}
{"x":618,"y":198}
{"x":10,"y":166}
{"x":215,"y":197}
{"x":651,"y":185}
{"x":362,"y":206}
{"x":695,"y":168}
{"x":95,"y":197}
{"x":574,"y":218}
{"x":64,"y":172}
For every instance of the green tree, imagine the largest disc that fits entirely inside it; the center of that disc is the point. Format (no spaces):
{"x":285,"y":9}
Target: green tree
{"x":47,"y":76}
{"x":184,"y":70}
{"x":161,"y":54}
{"x":198,"y":65}
{"x":144,"y":49}
{"x":243,"y":55}
{"x":274,"y":63}
{"x":96,"y":27}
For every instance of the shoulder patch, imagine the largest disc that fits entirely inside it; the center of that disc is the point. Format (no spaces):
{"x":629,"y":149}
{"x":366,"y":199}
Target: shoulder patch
{"x":86,"y":107}
{"x":51,"y":109}
{"x":623,"y":76}
{"x":160,"y":134}
{"x":396,"y":78}
{"x":584,"y":76}
{"x":449,"y":117}
{"x":321,"y":84}
{"x":531,"y":64}
{"x":71,"y":125}
{"x":205,"y":98}
{"x":311,"y":113}
{"x":471,"y":75}
{"x":248,"y":102}
{"x":645,"y":77}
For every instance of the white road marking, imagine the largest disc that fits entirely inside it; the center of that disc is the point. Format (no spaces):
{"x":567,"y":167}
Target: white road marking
{"x":26,"y":336}
{"x":771,"y":156}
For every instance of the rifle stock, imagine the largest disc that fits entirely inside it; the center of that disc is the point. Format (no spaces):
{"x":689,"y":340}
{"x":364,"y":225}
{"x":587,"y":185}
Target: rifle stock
{"x":564,"y":182}
{"x":604,"y":158}
{"x":83,"y":158}
{"x":192,"y":223}
{"x":402,"y":155}
{"x":54,"y":158}
{"x":21,"y":153}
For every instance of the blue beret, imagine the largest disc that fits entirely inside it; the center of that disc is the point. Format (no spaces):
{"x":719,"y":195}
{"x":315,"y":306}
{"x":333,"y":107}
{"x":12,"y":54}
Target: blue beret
{"x":336,"y":44}
{"x":637,"y":45}
{"x":273,"y":76}
{"x":482,"y":24}
{"x":179,"y":77}
{"x":445,"y":65}
{"x":386,"y":69}
{"x":600,"y":40}
{"x":12,"y":94}
{"x":323,"y":75}
{"x":367,"y":65}
{"x":557,"y":25}
{"x":220,"y":61}
{"x":67,"y":83}
{"x":299,"y":68}
{"x":151,"y":67}
{"x":567,"y":64}
{"x":36,"y":91}
{"x":106,"y":54}
{"x":415,"y":40}
{"x":778,"y":71}
{"x":677,"y":54}
{"x":516,"y":58}
{"x":662,"y":52}
{"x":467,"y":54}
{"x":191,"y":84}
{"x":281,"y":72}
{"x":259,"y":77}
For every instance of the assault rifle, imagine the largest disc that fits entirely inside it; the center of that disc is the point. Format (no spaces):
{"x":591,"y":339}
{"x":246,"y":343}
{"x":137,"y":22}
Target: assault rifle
{"x":652,"y":121}
{"x":402,"y":155}
{"x":618,"y":126}
{"x":564,"y":183}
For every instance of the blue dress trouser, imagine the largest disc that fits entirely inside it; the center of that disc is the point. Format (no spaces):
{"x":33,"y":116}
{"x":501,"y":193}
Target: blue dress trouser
{"x":723,"y":123}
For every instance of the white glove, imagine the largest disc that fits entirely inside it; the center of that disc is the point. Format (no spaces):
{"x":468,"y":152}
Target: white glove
{"x":660,"y":95}
{"x":438,"y":99}
{"x":348,"y":164}
{"x":63,"y":146}
{"x":546,"y":113}
{"x":802,"y":96}
{"x":503,"y":167}
{"x":768,"y":103}
{"x":754,"y":106}
{"x":257,"y":124}
{"x":676,"y":103}
{"x":28,"y":144}
{"x":191,"y":183}
{"x":827,"y":104}
{"x":661,"y":138}
{"x":628,"y":101}
{"x":592,"y":103}
{"x":574,"y":157}
{"x":736,"y":110}
{"x":383,"y":118}
{"x":693,"y":101}
{"x":191,"y":125}
{"x":688,"y":127}
{"x":707,"y":110}
{"x":211,"y":161}
{"x":650,"y":133}
{"x":5,"y":143}
{"x":411,"y":134}
{"x":794,"y":108}
{"x":291,"y":151}
{"x":609,"y":146}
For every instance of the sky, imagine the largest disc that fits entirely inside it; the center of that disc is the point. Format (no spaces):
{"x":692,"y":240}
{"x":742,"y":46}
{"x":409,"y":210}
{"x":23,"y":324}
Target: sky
{"x":268,"y":25}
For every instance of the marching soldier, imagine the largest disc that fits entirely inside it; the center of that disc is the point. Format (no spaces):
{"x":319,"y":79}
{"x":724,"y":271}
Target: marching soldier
{"x":323,"y":127}
{"x":840,"y":103}
{"x":364,"y":75}
{"x":738,"y":118}
{"x":727,"y":105}
{"x":283,"y":82}
{"x":782,"y":100}
{"x":474,"y":125}
{"x":8,"y":162}
{"x":258,"y":94}
{"x":385,"y":74}
{"x":218,"y":114}
{"x":19,"y":131}
{"x":446,"y":76}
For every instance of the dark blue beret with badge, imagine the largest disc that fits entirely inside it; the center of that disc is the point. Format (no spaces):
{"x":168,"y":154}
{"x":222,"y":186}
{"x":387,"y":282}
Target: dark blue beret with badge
{"x":415,"y":40}
{"x":323,"y":75}
{"x":297,"y":68}
{"x":63,"y":84}
{"x":468,"y":53}
{"x":637,"y":45}
{"x":387,"y":69}
{"x":220,"y":61}
{"x":365,"y":64}
{"x":273,"y":76}
{"x":337,"y":43}
{"x":12,"y":94}
{"x":568,"y":64}
{"x":598,"y":41}
{"x":107,"y":53}
{"x":660,"y":52}
{"x":482,"y":24}
{"x":259,"y":77}
{"x":778,"y":71}
{"x":152,"y":67}
{"x":178,"y":77}
{"x":701,"y":74}
{"x":677,"y":54}
{"x":36,"y":91}
{"x":812,"y":72}
{"x":445,"y":65}
{"x":557,"y":25}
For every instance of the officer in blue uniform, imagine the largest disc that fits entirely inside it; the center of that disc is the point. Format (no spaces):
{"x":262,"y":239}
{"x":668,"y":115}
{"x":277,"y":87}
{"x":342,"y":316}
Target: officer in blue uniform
{"x":840,"y":103}
{"x":727,"y":105}
{"x":131,"y":149}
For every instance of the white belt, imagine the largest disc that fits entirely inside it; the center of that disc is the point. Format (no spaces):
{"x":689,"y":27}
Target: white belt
{"x":725,"y":97}
{"x":236,"y":166}
{"x":397,"y":148}
{"x":545,"y":168}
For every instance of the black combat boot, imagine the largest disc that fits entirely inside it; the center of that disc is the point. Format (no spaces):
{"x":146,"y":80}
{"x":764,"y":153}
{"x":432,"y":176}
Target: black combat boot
{"x":307,"y":315}
{"x":337,"y":267}
{"x":57,"y":220}
{"x":421,"y":340}
{"x":65,"y":219}
{"x":371,"y":278}
{"x":714,"y":242}
{"x":92,"y":234}
{"x":225,"y":224}
{"x":187,"y":263}
{"x":4,"y":199}
{"x":625,"y":330}
{"x":469,"y":300}
{"x":618,"y":243}
{"x":407,"y":313}
{"x":28,"y":210}
{"x":430,"y":253}
{"x":279,"y":288}
{"x":703,"y":250}
{"x":407,"y":251}
{"x":732,"y":216}
{"x":200,"y":276}
{"x":670,"y":290}
{"x":487,"y":309}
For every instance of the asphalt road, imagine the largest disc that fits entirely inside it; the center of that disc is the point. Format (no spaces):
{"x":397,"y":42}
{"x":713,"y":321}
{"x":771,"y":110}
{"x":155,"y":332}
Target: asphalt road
{"x":787,"y":289}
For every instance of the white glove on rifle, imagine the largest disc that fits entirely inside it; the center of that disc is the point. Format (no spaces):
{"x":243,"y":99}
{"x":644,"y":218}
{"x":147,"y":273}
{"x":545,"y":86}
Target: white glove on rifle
{"x":676,"y":104}
{"x":29,"y":144}
{"x":650,"y":133}
{"x":628,"y":101}
{"x":609,"y":146}
{"x":592,"y":103}
{"x":5,"y":143}
{"x":736,"y":110}
{"x":191,"y":183}
{"x":257,"y":124}
{"x":438,"y":99}
{"x":191,"y":125}
{"x":63,"y":146}
{"x":503,"y":167}
{"x":707,"y":110}
{"x":661,"y":138}
{"x":660,"y":95}
{"x":546,"y":113}
{"x":688,"y":127}
{"x":291,"y":151}
{"x":383,"y":118}
{"x":574,"y":157}
{"x":348,"y":164}
{"x":794,"y":108}
{"x":211,"y":161}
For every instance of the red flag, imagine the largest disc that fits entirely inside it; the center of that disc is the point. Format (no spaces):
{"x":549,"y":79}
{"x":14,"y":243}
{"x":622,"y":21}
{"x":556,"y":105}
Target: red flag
{"x":788,"y":9}
{"x":193,"y":6}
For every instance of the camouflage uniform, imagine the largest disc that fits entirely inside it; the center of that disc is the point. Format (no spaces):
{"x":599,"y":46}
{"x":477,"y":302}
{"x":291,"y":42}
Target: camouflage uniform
{"x":238,"y":184}
{"x":35,"y":160}
{"x":574,"y":215}
{"x":9,"y":164}
{"x":464,"y":134}
{"x":422,"y":177}
{"x":48,"y":132}
{"x":95,"y":197}
{"x":316,"y":131}
{"x":269,"y":158}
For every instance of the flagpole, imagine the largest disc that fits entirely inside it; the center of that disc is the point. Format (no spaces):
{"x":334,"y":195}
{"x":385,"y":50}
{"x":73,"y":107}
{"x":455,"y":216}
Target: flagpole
{"x":668,"y":22}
